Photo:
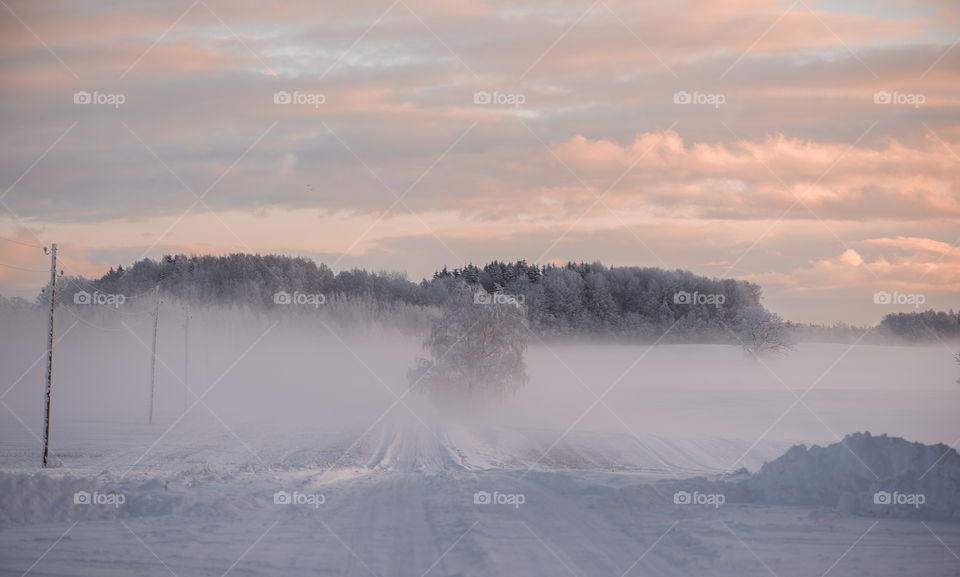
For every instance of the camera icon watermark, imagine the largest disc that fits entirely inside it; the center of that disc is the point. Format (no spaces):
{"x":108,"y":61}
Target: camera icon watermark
{"x":314,"y":99}
{"x":896,"y":97}
{"x":485,"y":98}
{"x":97,"y":498}
{"x":485,"y":298}
{"x":695,"y":298}
{"x":98,"y":298}
{"x":898,"y":498}
{"x":703,"y":98}
{"x":898,"y":298}
{"x":498,"y":498}
{"x":83,"y":97}
{"x":296,"y":498}
{"x":698,"y":498}
{"x":299,"y":298}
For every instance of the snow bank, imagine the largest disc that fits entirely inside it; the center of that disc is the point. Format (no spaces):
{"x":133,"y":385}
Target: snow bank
{"x":863,"y":474}
{"x":26,"y":498}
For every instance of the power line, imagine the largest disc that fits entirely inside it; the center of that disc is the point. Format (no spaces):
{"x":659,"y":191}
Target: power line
{"x":21,"y":242}
{"x":22,"y":268}
{"x":81,"y":320}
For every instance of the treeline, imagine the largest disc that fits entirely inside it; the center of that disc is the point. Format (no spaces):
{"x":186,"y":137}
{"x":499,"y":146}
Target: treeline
{"x":246,"y":280}
{"x":572,"y":300}
{"x":921,"y":326}
{"x":581,"y":299}
{"x":577,"y":299}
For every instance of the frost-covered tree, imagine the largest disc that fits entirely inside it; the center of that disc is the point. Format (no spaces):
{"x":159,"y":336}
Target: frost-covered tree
{"x":762,"y":332}
{"x":476,"y":347}
{"x":575,"y":299}
{"x":921,"y":326}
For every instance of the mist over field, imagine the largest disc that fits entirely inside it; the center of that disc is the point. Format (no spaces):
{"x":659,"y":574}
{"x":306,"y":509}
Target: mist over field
{"x":464,"y":289}
{"x":272,"y":367}
{"x":316,"y":401}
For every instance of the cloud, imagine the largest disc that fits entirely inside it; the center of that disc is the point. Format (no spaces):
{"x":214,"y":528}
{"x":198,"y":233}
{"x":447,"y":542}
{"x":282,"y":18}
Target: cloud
{"x":798,"y":178}
{"x":747,"y":179}
{"x":918,"y":264}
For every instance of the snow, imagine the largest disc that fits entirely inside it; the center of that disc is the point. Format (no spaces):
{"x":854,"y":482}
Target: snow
{"x":398,"y":492}
{"x":850,"y":474}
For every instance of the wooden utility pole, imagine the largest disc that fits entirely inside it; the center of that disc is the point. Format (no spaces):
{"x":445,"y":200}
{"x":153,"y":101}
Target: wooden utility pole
{"x":186,"y":352}
{"x":49,"y":388}
{"x":153,"y":359}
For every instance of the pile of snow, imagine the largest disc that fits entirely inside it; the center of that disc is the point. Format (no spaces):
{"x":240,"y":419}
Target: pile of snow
{"x":39,"y":497}
{"x":863,"y":474}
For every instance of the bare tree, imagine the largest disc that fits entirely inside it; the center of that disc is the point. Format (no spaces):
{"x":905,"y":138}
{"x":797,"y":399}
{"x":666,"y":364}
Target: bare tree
{"x":476,"y":347}
{"x":762,"y":332}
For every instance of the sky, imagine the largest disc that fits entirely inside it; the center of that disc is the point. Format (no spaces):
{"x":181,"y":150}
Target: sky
{"x":810,"y":147}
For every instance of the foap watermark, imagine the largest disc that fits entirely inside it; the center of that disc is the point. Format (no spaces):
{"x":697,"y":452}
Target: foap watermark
{"x":314,"y":99}
{"x":297,"y":498}
{"x":112,"y":498}
{"x":698,"y":498}
{"x":696,"y":298}
{"x":898,"y":498}
{"x":898,"y":298}
{"x":484,"y":98}
{"x":705,"y":98}
{"x":299,"y":298}
{"x":498,"y":498}
{"x":98,"y":298}
{"x":899,"y":98}
{"x":485,"y":298}
{"x":97,"y":97}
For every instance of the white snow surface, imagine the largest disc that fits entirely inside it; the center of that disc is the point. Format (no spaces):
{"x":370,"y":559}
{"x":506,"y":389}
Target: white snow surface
{"x":398,"y":480}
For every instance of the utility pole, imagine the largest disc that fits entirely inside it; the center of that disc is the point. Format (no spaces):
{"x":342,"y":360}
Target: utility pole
{"x":49,"y":389}
{"x":153,"y":359}
{"x":186,"y":352}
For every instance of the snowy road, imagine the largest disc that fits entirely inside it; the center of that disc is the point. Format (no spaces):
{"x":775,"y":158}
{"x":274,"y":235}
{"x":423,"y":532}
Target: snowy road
{"x":403,"y":503}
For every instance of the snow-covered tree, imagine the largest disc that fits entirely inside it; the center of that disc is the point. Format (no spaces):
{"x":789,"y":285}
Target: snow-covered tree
{"x":956,"y":358}
{"x":476,"y":347}
{"x":762,"y":332}
{"x":575,"y":299}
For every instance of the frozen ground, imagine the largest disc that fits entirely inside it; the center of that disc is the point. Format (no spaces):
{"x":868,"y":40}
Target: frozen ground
{"x":596,"y":478}
{"x":403,"y":504}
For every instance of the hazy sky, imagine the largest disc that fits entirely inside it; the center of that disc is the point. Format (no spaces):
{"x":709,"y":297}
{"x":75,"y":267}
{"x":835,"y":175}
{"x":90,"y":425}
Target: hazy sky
{"x":812,"y":147}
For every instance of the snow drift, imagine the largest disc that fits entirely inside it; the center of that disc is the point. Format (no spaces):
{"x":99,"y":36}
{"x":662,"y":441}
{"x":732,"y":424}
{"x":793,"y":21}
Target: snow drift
{"x":875,"y":476}
{"x":866,"y":475}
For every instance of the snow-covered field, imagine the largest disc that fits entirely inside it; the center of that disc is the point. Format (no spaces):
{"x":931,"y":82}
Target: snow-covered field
{"x":403,"y":503}
{"x":581,"y":479}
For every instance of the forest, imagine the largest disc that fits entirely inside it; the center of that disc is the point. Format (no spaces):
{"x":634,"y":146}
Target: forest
{"x":636,"y":304}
